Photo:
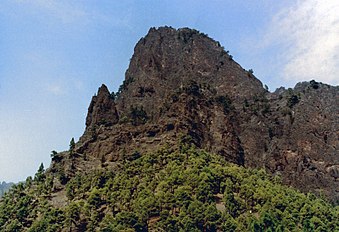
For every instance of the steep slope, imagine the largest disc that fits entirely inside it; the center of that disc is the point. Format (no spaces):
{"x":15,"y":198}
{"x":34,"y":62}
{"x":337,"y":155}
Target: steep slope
{"x":178,"y":82}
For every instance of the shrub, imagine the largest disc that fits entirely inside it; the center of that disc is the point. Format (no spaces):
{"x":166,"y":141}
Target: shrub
{"x":292,"y":100}
{"x":138,"y":115}
{"x":314,"y":84}
{"x":225,"y":102}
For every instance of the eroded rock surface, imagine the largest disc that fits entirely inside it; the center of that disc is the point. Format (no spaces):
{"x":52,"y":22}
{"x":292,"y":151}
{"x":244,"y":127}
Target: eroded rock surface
{"x":182,"y":85}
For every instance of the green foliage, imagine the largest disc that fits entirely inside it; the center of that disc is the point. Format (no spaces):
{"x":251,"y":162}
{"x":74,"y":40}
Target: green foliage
{"x":314,"y":84}
{"x":225,"y":102}
{"x":192,"y":88}
{"x":53,"y":154}
{"x":266,"y":87}
{"x":52,"y":220}
{"x":113,"y":96}
{"x":169,"y":190}
{"x":123,"y":119}
{"x":259,"y":104}
{"x":135,"y":155}
{"x":40,"y":175}
{"x":72,"y":214}
{"x":230,"y":57}
{"x":292,"y":100}
{"x":71,"y":145}
{"x":138,"y":115}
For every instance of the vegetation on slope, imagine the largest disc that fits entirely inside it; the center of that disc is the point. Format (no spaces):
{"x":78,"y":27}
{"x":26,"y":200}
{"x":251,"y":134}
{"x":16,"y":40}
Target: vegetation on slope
{"x":168,"y":190}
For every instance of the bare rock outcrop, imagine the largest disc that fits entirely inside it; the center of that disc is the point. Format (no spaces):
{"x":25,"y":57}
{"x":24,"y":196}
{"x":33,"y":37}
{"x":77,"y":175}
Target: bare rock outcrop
{"x":102,"y":110}
{"x":182,"y":85}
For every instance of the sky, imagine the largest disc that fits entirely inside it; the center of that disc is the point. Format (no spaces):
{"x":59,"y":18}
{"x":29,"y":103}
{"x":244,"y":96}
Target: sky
{"x":54,"y":54}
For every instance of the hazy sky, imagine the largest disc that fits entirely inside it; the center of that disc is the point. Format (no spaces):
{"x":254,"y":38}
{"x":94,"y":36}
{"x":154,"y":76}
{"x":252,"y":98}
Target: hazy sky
{"x":54,"y":54}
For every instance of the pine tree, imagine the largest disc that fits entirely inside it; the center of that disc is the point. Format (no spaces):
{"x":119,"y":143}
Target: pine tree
{"x":40,"y":175}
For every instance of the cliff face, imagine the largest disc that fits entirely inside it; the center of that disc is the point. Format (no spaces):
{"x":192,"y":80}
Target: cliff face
{"x":296,"y":136}
{"x":182,"y":85}
{"x":167,"y":60}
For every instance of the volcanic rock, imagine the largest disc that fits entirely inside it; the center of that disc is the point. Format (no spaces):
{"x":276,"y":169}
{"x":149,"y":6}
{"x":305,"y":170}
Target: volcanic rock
{"x":183,"y":86}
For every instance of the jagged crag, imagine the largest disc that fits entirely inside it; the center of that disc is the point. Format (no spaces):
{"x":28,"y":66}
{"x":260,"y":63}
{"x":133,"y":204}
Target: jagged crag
{"x":180,"y":82}
{"x":183,"y":86}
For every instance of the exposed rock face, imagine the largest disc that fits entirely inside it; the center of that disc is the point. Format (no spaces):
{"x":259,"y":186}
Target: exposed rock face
{"x":167,"y":60}
{"x":297,"y":137}
{"x":102,"y":110}
{"x":182,"y":85}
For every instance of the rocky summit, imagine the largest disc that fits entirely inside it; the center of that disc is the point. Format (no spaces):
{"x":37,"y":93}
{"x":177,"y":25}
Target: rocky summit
{"x":190,"y":142}
{"x":183,"y":84}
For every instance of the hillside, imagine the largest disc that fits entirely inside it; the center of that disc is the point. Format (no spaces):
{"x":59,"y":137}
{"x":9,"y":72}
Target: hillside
{"x":167,"y":190}
{"x":190,"y":142}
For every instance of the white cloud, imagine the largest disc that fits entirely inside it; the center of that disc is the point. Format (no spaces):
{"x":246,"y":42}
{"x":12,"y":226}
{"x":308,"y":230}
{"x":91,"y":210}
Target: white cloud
{"x":308,"y":32}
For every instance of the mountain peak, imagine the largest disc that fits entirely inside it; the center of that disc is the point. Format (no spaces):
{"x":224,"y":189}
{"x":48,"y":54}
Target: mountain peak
{"x":183,"y":85}
{"x":103,"y":90}
{"x":166,"y":59}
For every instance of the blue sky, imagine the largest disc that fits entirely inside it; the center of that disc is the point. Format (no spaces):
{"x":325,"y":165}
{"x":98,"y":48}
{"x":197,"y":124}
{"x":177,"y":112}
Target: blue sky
{"x":54,"y":54}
